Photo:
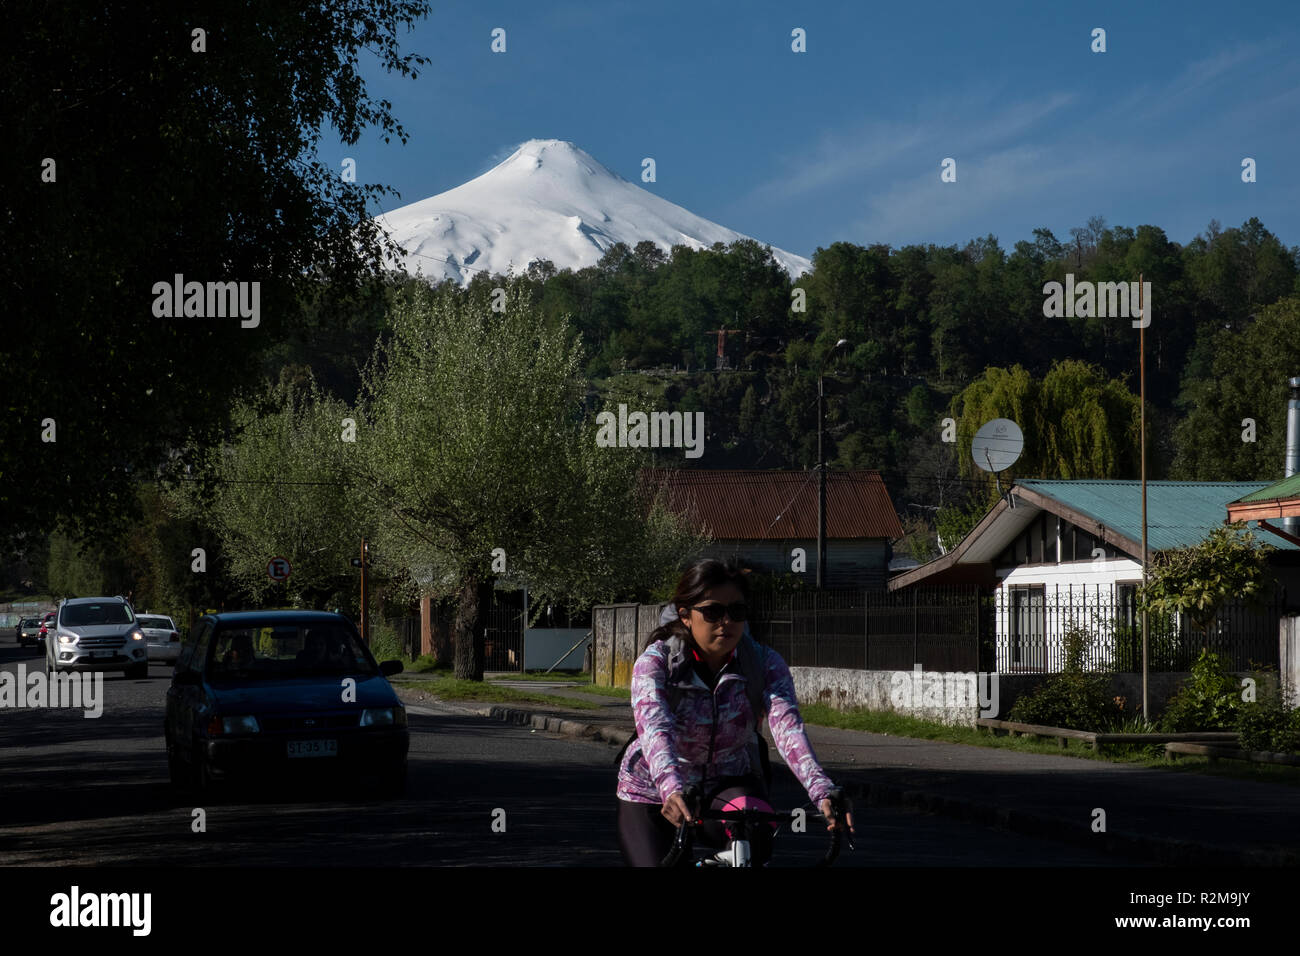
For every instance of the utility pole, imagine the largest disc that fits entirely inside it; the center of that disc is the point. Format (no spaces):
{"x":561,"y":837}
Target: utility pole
{"x":1142,"y":402}
{"x":821,"y":467}
{"x":365,"y":612}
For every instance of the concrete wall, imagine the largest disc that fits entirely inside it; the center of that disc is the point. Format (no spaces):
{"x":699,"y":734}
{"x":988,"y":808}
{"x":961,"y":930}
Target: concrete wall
{"x":1289,"y":652}
{"x":543,"y":645}
{"x":845,"y":689}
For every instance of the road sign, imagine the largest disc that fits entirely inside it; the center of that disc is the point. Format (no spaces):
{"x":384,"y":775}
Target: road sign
{"x":277,"y":569}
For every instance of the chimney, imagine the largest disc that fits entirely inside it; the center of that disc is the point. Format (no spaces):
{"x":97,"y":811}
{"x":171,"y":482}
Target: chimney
{"x":1292,"y":525}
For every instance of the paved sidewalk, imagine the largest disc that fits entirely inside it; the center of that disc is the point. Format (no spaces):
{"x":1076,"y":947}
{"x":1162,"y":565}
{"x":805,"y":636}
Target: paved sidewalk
{"x":1176,"y":818}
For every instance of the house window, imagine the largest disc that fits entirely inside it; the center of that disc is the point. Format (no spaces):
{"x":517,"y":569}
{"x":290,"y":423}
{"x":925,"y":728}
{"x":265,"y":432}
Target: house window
{"x":1028,"y":623}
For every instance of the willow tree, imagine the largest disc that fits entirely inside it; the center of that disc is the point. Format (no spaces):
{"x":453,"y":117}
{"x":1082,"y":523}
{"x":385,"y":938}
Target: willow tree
{"x":1077,"y":422}
{"x":479,"y":462}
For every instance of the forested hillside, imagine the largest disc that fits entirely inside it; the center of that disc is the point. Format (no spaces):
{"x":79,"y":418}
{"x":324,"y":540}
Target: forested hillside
{"x":927,"y":324}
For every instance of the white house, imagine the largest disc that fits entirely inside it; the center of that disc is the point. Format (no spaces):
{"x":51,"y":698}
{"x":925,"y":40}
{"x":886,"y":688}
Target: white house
{"x":1063,"y":554}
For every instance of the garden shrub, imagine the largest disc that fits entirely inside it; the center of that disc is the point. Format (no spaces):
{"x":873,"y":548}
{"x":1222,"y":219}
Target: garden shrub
{"x":1072,"y":700}
{"x":1208,"y":700}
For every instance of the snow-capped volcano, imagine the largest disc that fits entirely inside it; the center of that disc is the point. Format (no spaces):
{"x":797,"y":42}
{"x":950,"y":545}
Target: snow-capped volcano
{"x":548,"y":200}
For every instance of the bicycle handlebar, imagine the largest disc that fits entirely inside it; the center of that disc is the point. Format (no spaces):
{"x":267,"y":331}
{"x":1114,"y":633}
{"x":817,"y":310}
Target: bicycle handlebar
{"x":840,"y":805}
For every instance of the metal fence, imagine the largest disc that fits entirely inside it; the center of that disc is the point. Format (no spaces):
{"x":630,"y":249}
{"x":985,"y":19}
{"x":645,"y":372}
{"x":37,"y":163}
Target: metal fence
{"x":940,"y":628}
{"x":1012,"y":629}
{"x":504,"y":636}
{"x":1040,"y":628}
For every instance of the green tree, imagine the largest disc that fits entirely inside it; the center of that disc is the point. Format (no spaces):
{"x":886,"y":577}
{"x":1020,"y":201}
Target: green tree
{"x":1077,"y":423}
{"x":1247,"y":380}
{"x":474,"y":451}
{"x":168,"y":160}
{"x":281,"y":489}
{"x":1198,"y":580}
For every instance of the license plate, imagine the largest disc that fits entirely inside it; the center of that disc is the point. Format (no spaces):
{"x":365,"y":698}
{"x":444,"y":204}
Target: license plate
{"x":102,"y":653}
{"x":313,"y":748}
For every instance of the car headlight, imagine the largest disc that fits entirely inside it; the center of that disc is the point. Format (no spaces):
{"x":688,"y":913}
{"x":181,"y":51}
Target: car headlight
{"x":383,"y":717}
{"x":240,"y":725}
{"x":67,"y":638}
{"x":137,"y":635}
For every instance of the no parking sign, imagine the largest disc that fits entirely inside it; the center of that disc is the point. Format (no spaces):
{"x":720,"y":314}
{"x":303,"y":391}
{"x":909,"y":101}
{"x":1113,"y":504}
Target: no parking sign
{"x":277,"y":569}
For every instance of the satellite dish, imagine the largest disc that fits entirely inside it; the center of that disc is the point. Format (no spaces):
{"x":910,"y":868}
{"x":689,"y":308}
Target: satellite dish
{"x":997,"y":445}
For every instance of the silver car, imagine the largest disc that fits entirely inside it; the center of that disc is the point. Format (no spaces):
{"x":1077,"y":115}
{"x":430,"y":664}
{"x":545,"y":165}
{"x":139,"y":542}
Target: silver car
{"x":163,"y":638}
{"x":97,"y":634}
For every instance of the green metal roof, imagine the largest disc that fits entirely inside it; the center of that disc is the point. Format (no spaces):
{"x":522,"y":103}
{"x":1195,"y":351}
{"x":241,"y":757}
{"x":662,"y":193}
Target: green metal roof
{"x":1286,"y":488}
{"x":1179,"y":513}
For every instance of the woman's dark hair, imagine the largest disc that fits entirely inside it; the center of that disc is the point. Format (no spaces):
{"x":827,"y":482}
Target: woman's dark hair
{"x":701,"y":578}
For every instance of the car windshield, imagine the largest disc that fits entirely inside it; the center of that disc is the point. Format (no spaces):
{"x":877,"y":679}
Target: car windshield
{"x":84,"y":615}
{"x":156,"y":623}
{"x":285,"y":651}
{"x":31,"y":622}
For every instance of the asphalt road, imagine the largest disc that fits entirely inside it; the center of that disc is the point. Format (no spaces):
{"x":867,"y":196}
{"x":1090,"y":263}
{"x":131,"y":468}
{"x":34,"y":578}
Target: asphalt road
{"x":94,"y":791}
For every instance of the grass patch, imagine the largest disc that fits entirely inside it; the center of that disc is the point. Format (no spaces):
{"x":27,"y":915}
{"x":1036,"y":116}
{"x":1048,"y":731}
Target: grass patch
{"x":902,"y":725}
{"x":426,"y":664}
{"x":554,"y":677}
{"x":449,"y":688}
{"x":622,"y":692}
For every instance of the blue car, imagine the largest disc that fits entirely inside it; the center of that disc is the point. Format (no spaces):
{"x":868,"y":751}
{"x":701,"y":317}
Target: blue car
{"x":258,"y":694}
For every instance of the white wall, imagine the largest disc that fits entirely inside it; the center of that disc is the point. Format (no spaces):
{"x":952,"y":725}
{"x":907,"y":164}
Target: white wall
{"x":1071,"y":591}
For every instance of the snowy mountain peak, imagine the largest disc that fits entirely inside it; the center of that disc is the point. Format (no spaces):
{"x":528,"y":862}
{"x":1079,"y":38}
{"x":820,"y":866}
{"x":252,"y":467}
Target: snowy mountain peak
{"x":548,"y":199}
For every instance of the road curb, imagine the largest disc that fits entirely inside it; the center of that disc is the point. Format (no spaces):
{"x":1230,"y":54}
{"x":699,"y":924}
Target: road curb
{"x":1164,"y":851}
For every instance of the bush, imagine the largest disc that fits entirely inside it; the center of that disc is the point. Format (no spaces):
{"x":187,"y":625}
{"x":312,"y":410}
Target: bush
{"x":385,"y":644}
{"x":1071,"y":700}
{"x":1208,"y":700}
{"x":1272,"y":725}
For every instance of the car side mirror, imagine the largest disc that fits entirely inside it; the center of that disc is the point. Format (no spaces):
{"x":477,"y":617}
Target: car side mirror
{"x":389,"y":668}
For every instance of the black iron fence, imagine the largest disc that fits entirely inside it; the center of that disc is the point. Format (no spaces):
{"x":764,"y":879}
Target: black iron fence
{"x":940,"y":628}
{"x":1039,"y":629}
{"x":504,"y":635}
{"x":1014,"y":629}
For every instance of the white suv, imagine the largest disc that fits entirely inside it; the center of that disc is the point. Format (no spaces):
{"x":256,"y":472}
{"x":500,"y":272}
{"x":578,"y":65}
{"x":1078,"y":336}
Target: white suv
{"x":97,"y":634}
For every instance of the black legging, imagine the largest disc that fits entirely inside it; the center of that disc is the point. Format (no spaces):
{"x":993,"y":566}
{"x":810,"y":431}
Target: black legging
{"x":645,"y":836}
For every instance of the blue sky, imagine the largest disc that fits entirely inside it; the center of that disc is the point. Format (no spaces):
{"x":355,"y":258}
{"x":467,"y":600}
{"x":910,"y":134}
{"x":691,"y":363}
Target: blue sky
{"x":845,"y":141}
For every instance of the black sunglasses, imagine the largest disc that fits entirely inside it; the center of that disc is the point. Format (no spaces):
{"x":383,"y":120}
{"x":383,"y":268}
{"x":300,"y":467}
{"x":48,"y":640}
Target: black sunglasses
{"x":713,"y":612}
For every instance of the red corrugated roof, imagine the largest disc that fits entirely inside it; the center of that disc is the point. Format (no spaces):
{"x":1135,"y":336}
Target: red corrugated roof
{"x":757,"y":505}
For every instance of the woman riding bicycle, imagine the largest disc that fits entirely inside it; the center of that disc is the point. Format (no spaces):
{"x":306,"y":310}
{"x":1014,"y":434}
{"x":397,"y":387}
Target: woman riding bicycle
{"x":696,"y":724}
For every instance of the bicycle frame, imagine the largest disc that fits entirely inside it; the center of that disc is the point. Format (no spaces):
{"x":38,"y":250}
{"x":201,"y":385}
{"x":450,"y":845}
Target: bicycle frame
{"x":738,"y":849}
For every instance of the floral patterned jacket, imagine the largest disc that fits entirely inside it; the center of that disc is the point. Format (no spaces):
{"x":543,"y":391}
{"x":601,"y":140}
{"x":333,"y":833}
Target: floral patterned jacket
{"x":709,"y":734}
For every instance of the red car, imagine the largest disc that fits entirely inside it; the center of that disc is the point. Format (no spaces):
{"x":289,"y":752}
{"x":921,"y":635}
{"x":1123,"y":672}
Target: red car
{"x":46,"y":621}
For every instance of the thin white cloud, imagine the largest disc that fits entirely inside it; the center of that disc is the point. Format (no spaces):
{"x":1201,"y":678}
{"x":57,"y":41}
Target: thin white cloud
{"x":843,"y":159}
{"x":1005,"y":154}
